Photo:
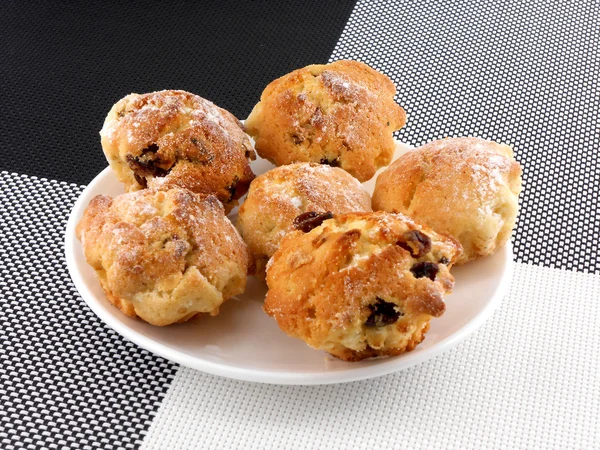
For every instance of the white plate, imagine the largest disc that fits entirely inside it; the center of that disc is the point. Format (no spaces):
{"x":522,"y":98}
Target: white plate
{"x":242,"y":342}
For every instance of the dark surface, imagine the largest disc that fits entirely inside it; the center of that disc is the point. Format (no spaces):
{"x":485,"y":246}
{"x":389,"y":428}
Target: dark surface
{"x":63,"y":66}
{"x":68,"y":381}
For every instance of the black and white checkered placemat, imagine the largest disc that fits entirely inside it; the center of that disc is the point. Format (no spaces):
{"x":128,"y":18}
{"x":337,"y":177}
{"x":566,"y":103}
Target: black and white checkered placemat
{"x":524,"y":73}
{"x":67,"y":379}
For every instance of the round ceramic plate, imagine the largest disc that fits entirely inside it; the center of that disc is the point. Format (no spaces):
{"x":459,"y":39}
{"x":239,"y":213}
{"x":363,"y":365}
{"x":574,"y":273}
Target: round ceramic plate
{"x":242,"y":342}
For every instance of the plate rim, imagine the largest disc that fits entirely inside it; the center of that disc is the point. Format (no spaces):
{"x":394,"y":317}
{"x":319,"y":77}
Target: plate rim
{"x":392,"y":365}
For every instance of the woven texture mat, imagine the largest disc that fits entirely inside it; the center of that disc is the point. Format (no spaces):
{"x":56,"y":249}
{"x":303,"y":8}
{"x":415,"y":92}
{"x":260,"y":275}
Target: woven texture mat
{"x":527,"y":379}
{"x":526,"y":74}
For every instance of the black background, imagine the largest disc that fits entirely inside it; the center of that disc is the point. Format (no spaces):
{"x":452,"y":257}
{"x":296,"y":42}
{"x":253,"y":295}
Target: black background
{"x":64,"y":64}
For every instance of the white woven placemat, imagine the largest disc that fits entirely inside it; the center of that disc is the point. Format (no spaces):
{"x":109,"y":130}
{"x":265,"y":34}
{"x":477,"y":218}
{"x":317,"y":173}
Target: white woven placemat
{"x":527,"y":379}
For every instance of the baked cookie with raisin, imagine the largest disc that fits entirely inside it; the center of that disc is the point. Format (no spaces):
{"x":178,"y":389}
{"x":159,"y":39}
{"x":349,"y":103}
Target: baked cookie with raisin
{"x":342,"y":114}
{"x":163,"y":256}
{"x":177,"y":139}
{"x":467,"y":188}
{"x":280,"y":195}
{"x":360,"y":285}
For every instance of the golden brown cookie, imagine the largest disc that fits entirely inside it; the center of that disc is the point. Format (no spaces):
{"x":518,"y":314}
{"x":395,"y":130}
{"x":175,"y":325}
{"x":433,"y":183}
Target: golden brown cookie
{"x":176,"y":139}
{"x":277,"y":197}
{"x":360,"y":284}
{"x":341,"y":114}
{"x":164,"y":256}
{"x":467,"y":188}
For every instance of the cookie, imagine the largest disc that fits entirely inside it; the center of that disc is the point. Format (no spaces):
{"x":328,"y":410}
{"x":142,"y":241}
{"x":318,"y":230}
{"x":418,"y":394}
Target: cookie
{"x":361,"y":284}
{"x":176,"y":139}
{"x":277,"y":197}
{"x":342,"y":114}
{"x":467,"y":188}
{"x":163,"y":256}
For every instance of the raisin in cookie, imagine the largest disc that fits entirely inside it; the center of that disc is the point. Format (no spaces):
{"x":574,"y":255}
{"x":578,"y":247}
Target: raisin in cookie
{"x":342,"y":114}
{"x":277,"y":197}
{"x":164,"y":256}
{"x":361,"y":284}
{"x":467,"y":188}
{"x":177,"y":139}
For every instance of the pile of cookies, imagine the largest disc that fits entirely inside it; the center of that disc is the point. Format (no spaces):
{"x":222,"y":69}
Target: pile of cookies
{"x":354,"y":276}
